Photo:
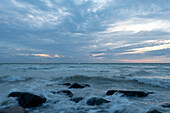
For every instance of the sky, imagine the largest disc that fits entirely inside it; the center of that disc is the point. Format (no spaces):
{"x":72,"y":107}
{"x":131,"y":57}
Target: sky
{"x":84,"y":31}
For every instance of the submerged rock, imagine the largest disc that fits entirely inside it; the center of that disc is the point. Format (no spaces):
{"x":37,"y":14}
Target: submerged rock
{"x":13,"y":110}
{"x":67,"y":84}
{"x":166,"y":105}
{"x":66,"y":92}
{"x":96,"y":101}
{"x":129,"y":93}
{"x":76,"y":85}
{"x":53,"y":92}
{"x":77,"y":99}
{"x":154,"y":111}
{"x":28,"y":100}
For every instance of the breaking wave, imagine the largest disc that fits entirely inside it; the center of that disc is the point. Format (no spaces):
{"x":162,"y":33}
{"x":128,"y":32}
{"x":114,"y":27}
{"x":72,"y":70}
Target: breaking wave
{"x":14,"y":78}
{"x":164,"y":83}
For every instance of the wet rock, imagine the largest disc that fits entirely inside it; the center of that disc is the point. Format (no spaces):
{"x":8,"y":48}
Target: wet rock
{"x":15,"y":94}
{"x":129,"y":93}
{"x":76,"y":85}
{"x":104,"y":71}
{"x":96,"y":101}
{"x":66,"y":92}
{"x":13,"y":110}
{"x":53,"y":92}
{"x":77,"y":99}
{"x":67,"y":84}
{"x":166,"y":105}
{"x":87,"y":85}
{"x":154,"y":111}
{"x":28,"y":100}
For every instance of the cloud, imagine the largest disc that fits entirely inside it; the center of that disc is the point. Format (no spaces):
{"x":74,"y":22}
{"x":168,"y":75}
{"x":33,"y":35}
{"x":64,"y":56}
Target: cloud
{"x":83,"y":30}
{"x":18,"y":4}
{"x":158,"y":59}
{"x":97,"y":55}
{"x":137,"y":50}
{"x":25,"y":14}
{"x":42,"y":55}
{"x":139,"y":10}
{"x":136,"y":25}
{"x":99,"y":58}
{"x":48,"y":3}
{"x":146,"y":49}
{"x":139,"y":60}
{"x":99,"y":5}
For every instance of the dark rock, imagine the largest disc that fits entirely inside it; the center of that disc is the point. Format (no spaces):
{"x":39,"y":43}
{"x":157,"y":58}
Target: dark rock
{"x":166,"y":105}
{"x":87,"y":85}
{"x":104,"y":71}
{"x":96,"y":101}
{"x":67,"y":84}
{"x":154,"y":111}
{"x":129,"y":93}
{"x":76,"y":85}
{"x":53,"y":92}
{"x":77,"y":99}
{"x":15,"y":94}
{"x":13,"y":110}
{"x":28,"y":100}
{"x":67,"y":92}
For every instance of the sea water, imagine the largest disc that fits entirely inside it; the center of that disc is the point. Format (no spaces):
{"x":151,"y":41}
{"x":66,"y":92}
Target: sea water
{"x":42,"y":79}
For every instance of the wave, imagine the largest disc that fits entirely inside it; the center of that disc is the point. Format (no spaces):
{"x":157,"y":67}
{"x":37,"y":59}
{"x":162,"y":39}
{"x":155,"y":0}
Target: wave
{"x":141,"y":72}
{"x":86,"y":77}
{"x":157,"y":81}
{"x":161,"y":82}
{"x":32,"y":68}
{"x":14,"y":78}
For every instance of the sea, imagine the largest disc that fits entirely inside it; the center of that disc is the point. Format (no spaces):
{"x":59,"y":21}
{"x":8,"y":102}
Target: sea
{"x":43,"y":79}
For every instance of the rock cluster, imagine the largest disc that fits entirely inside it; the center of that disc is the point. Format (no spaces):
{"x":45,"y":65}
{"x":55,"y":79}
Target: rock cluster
{"x":29,"y":100}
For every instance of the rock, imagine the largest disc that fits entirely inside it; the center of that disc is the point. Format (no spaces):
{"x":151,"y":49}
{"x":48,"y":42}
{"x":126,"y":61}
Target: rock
{"x":53,"y":92}
{"x":96,"y":101}
{"x":104,"y":71}
{"x":87,"y":85}
{"x":129,"y":93}
{"x":67,"y":84}
{"x":13,"y":110}
{"x":77,"y":99}
{"x":153,"y":111}
{"x":76,"y":85}
{"x":28,"y":100}
{"x":166,"y":105}
{"x":66,"y":92}
{"x":15,"y":94}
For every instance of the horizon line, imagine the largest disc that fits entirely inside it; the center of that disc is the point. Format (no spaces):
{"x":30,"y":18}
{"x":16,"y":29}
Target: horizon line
{"x":92,"y":63}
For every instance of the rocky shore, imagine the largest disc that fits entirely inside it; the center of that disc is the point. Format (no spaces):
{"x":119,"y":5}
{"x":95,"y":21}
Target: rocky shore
{"x":29,"y":100}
